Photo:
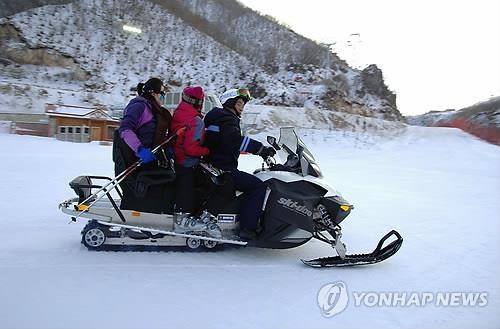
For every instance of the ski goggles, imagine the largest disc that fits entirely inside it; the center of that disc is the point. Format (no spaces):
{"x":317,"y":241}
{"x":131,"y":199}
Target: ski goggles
{"x":244,"y":93}
{"x":196,"y":102}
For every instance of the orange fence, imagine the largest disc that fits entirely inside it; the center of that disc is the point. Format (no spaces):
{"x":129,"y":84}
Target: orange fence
{"x":490,"y":134}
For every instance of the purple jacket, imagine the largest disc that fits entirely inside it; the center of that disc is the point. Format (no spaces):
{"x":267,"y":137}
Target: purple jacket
{"x":138,"y":124}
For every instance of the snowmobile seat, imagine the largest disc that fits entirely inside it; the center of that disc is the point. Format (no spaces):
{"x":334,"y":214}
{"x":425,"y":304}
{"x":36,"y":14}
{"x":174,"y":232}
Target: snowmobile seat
{"x":82,"y":185}
{"x":149,"y":178}
{"x":216,"y":193}
{"x":149,"y":190}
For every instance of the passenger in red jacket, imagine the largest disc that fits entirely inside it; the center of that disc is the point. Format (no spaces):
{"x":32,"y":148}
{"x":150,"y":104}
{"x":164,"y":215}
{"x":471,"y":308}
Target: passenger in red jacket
{"x":188,"y":149}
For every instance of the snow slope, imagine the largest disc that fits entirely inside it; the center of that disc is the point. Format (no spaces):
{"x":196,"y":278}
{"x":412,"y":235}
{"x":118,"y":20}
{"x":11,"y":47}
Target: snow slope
{"x":438,"y":186}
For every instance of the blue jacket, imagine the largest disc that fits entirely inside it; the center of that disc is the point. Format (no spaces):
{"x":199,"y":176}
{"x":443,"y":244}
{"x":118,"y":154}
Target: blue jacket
{"x":223,"y":138}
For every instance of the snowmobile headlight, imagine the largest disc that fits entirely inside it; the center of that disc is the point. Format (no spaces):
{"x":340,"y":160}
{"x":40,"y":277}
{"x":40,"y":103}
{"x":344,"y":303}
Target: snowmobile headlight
{"x":338,"y":208}
{"x":344,"y":207}
{"x":83,"y":207}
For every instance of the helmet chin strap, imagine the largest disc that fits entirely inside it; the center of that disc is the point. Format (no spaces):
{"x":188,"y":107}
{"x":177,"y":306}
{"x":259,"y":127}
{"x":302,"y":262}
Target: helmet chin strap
{"x":232,"y":109}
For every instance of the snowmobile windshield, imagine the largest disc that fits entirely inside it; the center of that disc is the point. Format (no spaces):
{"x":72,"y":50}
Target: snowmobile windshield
{"x":294,"y":153}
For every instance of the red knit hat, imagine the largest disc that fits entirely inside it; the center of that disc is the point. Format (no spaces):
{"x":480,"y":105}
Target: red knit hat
{"x":194,"y":91}
{"x":194,"y":95}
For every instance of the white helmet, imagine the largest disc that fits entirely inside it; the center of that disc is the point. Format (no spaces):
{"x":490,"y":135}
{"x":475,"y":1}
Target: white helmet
{"x":241,"y":92}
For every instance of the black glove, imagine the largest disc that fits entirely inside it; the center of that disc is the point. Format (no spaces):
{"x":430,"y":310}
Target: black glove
{"x":267,"y":151}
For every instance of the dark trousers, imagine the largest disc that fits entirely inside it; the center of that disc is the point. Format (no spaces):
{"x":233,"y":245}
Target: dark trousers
{"x":184,"y":189}
{"x":254,"y":192}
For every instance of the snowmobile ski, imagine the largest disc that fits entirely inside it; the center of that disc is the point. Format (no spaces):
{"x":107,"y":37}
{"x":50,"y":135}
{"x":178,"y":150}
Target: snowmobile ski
{"x":379,"y":254}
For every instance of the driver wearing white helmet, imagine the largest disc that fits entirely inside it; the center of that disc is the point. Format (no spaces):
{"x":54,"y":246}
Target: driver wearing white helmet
{"x":225,"y":141}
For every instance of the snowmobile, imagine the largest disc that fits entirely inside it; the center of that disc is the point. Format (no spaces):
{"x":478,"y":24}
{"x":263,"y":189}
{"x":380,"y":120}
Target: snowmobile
{"x":299,"y":206}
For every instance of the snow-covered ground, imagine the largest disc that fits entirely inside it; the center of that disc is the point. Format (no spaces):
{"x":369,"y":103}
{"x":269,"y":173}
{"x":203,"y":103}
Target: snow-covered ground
{"x":439,"y":187}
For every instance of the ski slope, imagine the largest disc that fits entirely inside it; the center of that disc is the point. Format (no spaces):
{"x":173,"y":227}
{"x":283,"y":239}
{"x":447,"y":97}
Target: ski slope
{"x":439,"y":187}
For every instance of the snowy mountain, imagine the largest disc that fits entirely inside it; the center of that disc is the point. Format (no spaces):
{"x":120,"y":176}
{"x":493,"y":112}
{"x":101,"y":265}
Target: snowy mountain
{"x":78,"y":53}
{"x":481,"y":119}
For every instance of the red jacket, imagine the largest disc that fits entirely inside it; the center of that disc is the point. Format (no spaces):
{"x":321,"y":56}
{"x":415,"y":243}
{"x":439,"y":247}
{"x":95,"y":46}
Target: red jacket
{"x":187,"y":147}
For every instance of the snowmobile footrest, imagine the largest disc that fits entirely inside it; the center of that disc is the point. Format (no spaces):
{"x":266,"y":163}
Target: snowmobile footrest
{"x":379,"y":254}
